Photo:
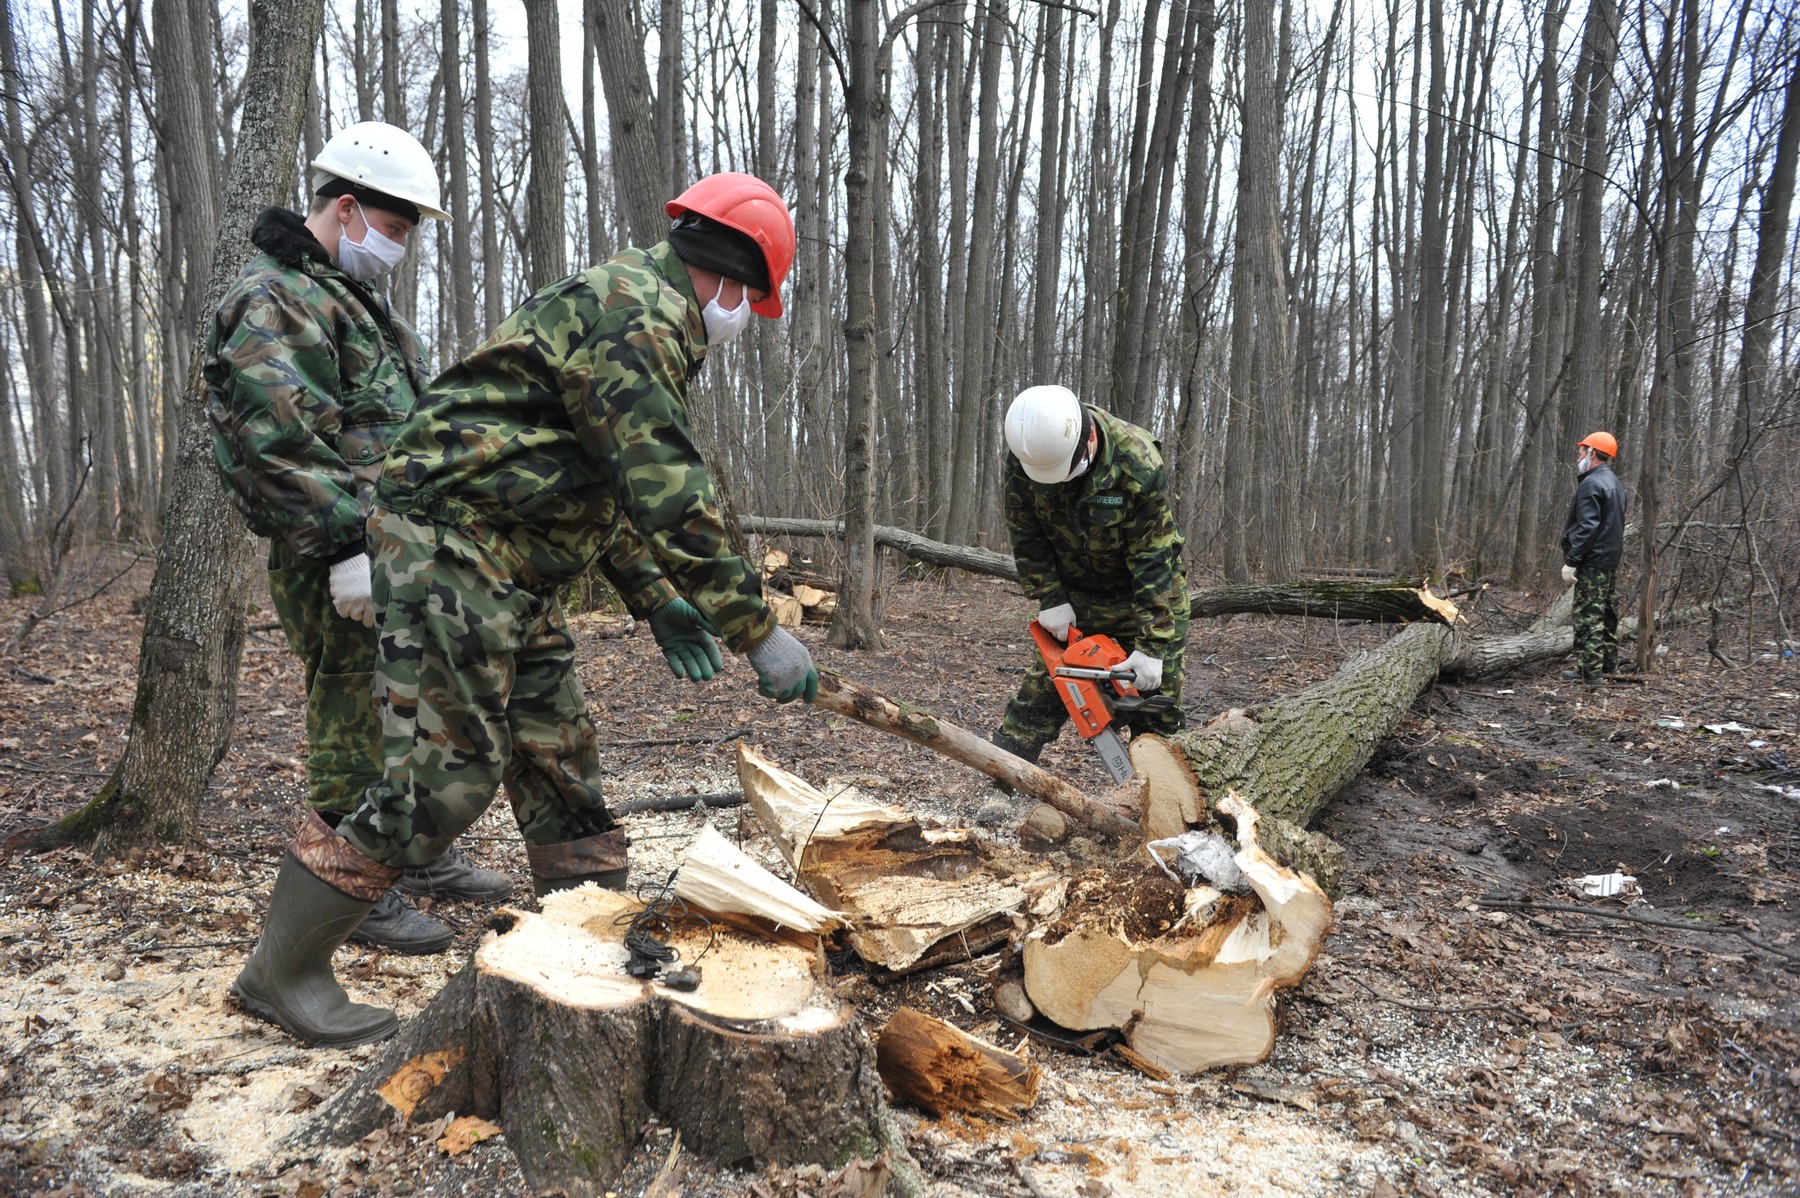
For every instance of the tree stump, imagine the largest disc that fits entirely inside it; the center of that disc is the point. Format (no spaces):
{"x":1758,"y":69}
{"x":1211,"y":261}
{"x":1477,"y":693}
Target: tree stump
{"x":546,"y":1034}
{"x":1188,"y":974}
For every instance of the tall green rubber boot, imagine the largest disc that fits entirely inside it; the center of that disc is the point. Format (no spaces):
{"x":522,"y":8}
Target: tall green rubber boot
{"x":288,"y":979}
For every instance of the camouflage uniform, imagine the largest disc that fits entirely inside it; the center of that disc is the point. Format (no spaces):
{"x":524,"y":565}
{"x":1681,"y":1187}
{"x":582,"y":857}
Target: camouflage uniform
{"x":1106,"y":544}
{"x":1596,"y":622}
{"x":563,"y":437}
{"x":308,"y":377}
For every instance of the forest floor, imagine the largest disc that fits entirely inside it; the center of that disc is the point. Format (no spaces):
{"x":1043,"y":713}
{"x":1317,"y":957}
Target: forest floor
{"x":1437,"y":1047}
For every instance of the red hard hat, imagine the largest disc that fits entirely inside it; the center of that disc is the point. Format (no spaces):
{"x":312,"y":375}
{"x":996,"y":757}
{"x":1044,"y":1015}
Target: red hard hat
{"x":753,"y":208}
{"x":1603,"y":442}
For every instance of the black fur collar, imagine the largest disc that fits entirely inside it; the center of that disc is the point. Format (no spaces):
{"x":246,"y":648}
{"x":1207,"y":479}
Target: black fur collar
{"x":283,"y":235}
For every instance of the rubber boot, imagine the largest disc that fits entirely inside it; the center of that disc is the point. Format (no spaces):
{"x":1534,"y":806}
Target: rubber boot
{"x":454,"y":876}
{"x":608,"y":879}
{"x":1018,"y":748}
{"x":288,"y":979}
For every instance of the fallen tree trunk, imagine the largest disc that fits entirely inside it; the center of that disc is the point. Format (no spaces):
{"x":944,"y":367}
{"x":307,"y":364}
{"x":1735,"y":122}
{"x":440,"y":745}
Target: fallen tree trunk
{"x":1384,"y":601}
{"x":846,"y":698}
{"x":923,"y":549}
{"x":545,"y":1033}
{"x":1380,"y":602}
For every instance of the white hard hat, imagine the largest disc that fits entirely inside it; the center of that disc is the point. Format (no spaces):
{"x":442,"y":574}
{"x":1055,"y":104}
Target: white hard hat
{"x":384,"y":158}
{"x":1043,"y":427}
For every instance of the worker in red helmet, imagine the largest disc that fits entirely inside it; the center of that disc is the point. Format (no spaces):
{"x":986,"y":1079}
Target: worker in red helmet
{"x":1593,"y":542}
{"x":560,"y":442}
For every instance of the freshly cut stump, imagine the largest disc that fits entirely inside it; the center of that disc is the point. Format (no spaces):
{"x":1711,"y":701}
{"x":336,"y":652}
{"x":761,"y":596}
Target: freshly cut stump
{"x":914,"y":895}
{"x":1189,"y":974}
{"x":546,"y":1034}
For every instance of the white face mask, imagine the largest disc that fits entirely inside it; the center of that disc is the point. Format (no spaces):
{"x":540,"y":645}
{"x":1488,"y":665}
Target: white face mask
{"x":374,"y":255}
{"x":724,"y":324}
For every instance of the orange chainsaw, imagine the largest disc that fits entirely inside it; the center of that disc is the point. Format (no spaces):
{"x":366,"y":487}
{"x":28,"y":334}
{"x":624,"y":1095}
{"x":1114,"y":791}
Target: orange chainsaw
{"x":1090,"y":684}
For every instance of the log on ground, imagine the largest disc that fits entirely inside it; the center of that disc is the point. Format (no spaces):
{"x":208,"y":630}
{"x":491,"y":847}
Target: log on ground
{"x":940,"y":1067}
{"x":546,"y":1034}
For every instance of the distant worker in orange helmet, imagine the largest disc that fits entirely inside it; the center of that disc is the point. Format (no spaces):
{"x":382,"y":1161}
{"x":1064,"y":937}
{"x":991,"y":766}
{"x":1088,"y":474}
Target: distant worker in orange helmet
{"x":1593,"y":541}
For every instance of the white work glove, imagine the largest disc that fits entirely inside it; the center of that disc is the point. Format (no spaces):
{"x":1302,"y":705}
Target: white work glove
{"x":1148,"y":669}
{"x":1569,"y":574}
{"x":1057,"y":621}
{"x":350,"y":590}
{"x":784,"y":669}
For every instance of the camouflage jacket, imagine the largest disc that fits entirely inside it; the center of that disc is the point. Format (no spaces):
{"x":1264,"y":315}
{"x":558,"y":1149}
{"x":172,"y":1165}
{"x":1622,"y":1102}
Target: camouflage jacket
{"x":566,"y":434}
{"x":308,"y":378}
{"x":1105,"y":538}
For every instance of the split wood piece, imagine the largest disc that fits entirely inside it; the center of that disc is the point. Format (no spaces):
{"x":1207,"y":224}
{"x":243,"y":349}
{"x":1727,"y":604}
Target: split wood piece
{"x":906,"y":888}
{"x":789,"y":611}
{"x":721,"y":880}
{"x":544,"y":1033}
{"x":1188,"y":975}
{"x":940,"y":1067}
{"x":846,"y":698}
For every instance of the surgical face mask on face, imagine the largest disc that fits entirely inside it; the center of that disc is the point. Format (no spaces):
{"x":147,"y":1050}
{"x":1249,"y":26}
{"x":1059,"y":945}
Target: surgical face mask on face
{"x":722,"y":324}
{"x":374,"y":255}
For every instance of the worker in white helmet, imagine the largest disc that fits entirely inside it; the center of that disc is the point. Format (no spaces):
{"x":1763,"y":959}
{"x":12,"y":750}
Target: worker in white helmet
{"x":309,"y":375}
{"x":1094,"y":537}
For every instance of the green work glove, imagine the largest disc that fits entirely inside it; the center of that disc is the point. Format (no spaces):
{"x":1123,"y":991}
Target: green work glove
{"x":784,"y":669}
{"x":685,"y":640}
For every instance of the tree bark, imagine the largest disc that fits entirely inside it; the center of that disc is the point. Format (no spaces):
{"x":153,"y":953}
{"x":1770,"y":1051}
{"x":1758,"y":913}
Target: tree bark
{"x":856,"y":623}
{"x":638,"y":165}
{"x":464,"y":332}
{"x":546,"y":250}
{"x":194,"y":618}
{"x":545,"y":1033}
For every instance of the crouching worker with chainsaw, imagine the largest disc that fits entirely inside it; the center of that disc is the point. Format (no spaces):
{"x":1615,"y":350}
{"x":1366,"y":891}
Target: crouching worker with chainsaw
{"x":1094,"y":537}
{"x":564,"y":436}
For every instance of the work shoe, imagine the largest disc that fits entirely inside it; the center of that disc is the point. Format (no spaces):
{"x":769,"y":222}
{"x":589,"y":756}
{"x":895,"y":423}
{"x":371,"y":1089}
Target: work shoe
{"x":288,"y":979}
{"x":452,"y":876}
{"x":1578,"y":676}
{"x":399,"y":927}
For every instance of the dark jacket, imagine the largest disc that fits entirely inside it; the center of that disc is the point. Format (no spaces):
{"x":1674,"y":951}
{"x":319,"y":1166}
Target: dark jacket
{"x":1594,"y":535}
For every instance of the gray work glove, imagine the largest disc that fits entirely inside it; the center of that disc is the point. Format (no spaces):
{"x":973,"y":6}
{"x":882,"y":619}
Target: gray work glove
{"x":1147,"y":668}
{"x":784,"y":669}
{"x":686,"y":641}
{"x":350,"y":590}
{"x":1057,"y":621}
{"x":1569,"y":574}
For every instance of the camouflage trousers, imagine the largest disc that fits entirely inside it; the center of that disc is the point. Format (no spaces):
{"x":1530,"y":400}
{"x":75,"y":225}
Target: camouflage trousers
{"x":475,"y":678}
{"x":343,"y":730}
{"x":1036,"y":714}
{"x":1596,"y":623}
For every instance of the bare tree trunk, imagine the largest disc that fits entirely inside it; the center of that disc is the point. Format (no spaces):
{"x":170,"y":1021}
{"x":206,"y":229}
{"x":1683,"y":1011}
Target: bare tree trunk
{"x":194,"y":619}
{"x":493,"y":277}
{"x":461,"y":300}
{"x":671,"y":128}
{"x":638,"y":163}
{"x":855,"y":625}
{"x":546,"y":251}
{"x":1261,"y":353}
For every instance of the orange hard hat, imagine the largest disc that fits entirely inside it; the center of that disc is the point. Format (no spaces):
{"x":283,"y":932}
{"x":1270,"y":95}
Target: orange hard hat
{"x":747,"y":204}
{"x":1601,"y":443}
